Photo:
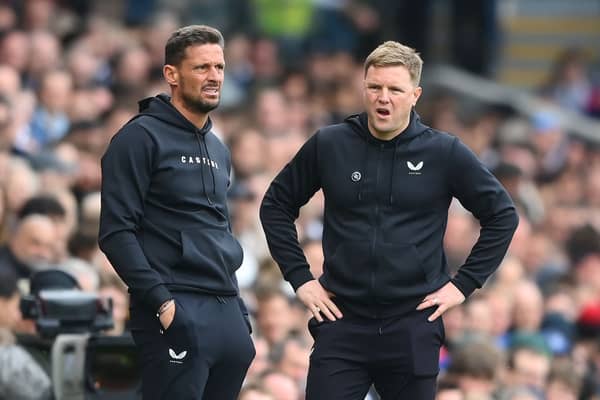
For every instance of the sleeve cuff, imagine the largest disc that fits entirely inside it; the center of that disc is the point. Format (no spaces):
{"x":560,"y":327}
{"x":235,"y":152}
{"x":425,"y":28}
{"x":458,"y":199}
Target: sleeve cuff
{"x":465,"y":284}
{"x":299,"y":277}
{"x":156,"y":296}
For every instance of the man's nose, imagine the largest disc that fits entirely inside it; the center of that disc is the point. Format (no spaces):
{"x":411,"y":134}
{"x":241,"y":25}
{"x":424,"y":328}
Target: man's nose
{"x":214,"y":74}
{"x":384,"y":96}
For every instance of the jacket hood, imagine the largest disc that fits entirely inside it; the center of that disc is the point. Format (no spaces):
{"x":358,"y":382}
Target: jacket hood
{"x":160,"y":107}
{"x":359,"y":123}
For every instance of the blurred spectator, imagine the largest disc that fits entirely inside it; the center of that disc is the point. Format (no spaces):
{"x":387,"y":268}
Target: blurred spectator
{"x":448,"y":390}
{"x":569,"y":85}
{"x":529,"y":362}
{"x":476,"y":367}
{"x":520,"y":393}
{"x":84,"y":273}
{"x":314,"y":255}
{"x":45,"y":55}
{"x":50,"y":121}
{"x":454,"y":325}
{"x":239,"y":74}
{"x":84,"y":245}
{"x":131,"y":71}
{"x":583,"y":248}
{"x":69,"y":225}
{"x":528,"y":308}
{"x":248,"y":152}
{"x":37,"y":14}
{"x":31,"y":246}
{"x":52,"y":170}
{"x":266,"y":62}
{"x":14,"y":50}
{"x":274,"y":315}
{"x":551,"y":144}
{"x":280,"y":385}
{"x":291,"y":357}
{"x":461,"y":234}
{"x":10,"y":81}
{"x":7,"y":132}
{"x":479,"y":321}
{"x":20,"y":376}
{"x":116,"y":291}
{"x":49,"y":205}
{"x":564,"y":383}
{"x":261,"y":361}
{"x":282,"y":148}
{"x":21,"y":183}
{"x":271,"y":112}
{"x":8,"y":17}
{"x":255,"y":392}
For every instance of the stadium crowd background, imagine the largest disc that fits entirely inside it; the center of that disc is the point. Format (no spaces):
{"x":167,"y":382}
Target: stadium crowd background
{"x":71,"y":73}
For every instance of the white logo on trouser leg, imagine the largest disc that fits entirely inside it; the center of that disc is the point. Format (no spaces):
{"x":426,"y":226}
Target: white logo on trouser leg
{"x":176,"y":358}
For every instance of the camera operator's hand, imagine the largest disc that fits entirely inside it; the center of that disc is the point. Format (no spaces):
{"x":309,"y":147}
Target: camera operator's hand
{"x":166,"y":318}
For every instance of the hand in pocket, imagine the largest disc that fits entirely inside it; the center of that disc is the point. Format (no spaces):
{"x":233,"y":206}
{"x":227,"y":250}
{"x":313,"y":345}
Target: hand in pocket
{"x":179,"y":333}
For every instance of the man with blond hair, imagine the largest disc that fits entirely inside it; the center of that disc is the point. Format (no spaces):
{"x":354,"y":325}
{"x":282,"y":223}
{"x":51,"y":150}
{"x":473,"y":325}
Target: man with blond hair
{"x":388,"y":181}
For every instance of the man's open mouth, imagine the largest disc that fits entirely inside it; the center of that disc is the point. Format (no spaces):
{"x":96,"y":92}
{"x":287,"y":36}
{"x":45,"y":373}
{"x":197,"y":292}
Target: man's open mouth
{"x":382,"y":112}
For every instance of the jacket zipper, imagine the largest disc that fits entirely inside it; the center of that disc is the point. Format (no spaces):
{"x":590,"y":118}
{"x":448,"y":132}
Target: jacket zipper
{"x":375,"y":230}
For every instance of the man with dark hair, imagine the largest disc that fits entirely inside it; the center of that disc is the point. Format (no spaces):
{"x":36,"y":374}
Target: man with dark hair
{"x":43,"y":204}
{"x":31,"y":246}
{"x":474,"y":367}
{"x":48,"y":205}
{"x":165,"y":228}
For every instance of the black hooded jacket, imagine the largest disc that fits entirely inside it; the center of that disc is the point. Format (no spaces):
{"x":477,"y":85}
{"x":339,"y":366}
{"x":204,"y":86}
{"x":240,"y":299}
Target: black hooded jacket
{"x":164,"y":223}
{"x":386,"y":209}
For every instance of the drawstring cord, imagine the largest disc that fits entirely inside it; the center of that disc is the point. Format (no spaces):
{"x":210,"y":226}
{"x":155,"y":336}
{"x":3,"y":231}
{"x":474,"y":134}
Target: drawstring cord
{"x":392,"y":173}
{"x":202,"y":170}
{"x":210,"y":161}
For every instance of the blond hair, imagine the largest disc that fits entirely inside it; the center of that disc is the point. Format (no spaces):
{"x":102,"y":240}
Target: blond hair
{"x":392,"y":53}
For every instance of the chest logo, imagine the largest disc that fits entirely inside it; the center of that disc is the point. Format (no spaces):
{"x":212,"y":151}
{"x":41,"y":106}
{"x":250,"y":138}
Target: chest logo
{"x":199,"y":160}
{"x":355,"y":176}
{"x":414,"y":169}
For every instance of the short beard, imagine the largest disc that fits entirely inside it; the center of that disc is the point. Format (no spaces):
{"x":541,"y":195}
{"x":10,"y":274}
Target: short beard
{"x":199,"y":106}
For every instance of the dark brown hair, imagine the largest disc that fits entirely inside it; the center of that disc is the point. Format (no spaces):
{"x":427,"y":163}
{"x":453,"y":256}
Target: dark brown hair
{"x":187,"y":36}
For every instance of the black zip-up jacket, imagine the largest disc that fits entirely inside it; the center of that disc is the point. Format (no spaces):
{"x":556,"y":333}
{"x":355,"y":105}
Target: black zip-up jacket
{"x":386,"y":209}
{"x":164,"y":221}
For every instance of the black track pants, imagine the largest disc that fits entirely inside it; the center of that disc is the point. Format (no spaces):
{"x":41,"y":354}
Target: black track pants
{"x":203,"y":355}
{"x":398,"y":355}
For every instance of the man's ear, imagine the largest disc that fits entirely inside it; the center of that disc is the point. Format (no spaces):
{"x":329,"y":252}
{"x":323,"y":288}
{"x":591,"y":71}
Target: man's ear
{"x":417,"y":94}
{"x":171,"y":74}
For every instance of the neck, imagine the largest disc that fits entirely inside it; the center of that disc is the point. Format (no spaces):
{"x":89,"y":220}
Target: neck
{"x":196,"y":118}
{"x":383,"y":135}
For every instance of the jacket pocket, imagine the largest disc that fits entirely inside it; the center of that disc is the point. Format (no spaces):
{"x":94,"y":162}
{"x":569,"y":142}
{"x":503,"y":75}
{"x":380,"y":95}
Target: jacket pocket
{"x":399,"y":271}
{"x":347,"y":271}
{"x":179,"y":335}
{"x":213,"y":253}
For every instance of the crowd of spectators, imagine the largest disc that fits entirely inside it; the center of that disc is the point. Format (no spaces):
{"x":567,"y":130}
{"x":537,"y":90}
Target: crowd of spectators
{"x":71,"y":74}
